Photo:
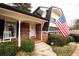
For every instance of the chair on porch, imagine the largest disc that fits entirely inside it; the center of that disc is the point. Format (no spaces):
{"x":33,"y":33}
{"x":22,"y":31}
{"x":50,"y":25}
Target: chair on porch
{"x":6,"y":36}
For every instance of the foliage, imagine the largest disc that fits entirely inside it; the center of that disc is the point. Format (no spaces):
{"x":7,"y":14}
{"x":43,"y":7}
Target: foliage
{"x":70,"y":39}
{"x":7,"y":49}
{"x":59,"y":40}
{"x":28,"y":45}
{"x":75,"y":36}
{"x":66,"y":50}
{"x":76,"y":25}
{"x":23,"y":6}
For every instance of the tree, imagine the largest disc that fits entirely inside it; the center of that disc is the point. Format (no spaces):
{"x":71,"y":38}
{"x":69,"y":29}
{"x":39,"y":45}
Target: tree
{"x":76,"y":26}
{"x":23,"y":6}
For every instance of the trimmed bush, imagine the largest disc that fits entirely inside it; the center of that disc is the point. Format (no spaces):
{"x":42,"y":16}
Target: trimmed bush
{"x":70,"y":39}
{"x":1,"y":49}
{"x":56,"y":39}
{"x":28,"y":45}
{"x":75,"y":36}
{"x":7,"y":49}
{"x":59,"y":40}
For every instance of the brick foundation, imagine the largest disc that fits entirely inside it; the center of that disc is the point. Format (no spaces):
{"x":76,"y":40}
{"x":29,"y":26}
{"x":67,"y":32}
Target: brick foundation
{"x":45,"y":36}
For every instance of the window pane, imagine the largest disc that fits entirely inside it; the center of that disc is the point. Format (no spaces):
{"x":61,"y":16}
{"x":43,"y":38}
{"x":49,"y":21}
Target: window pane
{"x":11,"y":26}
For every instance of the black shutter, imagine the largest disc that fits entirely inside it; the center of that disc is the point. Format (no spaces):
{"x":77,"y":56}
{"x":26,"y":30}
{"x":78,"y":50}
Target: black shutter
{"x":2,"y":23}
{"x":17,"y":25}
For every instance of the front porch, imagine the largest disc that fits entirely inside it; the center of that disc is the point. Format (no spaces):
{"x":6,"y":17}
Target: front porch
{"x":17,"y":26}
{"x":14,"y":30}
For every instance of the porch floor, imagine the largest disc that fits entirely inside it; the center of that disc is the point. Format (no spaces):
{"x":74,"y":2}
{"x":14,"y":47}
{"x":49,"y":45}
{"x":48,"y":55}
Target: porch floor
{"x":37,"y":41}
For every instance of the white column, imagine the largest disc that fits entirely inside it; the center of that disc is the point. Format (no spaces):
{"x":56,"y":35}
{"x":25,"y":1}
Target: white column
{"x":41,"y":30}
{"x":19,"y":35}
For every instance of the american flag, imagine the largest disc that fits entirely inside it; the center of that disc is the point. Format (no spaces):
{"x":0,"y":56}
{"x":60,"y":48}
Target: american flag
{"x":62,"y":25}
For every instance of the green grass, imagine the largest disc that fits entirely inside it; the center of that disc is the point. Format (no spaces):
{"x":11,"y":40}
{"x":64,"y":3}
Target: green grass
{"x":66,"y":50}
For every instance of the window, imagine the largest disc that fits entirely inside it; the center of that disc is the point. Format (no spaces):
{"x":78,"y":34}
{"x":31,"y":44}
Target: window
{"x":11,"y":27}
{"x":52,"y":20}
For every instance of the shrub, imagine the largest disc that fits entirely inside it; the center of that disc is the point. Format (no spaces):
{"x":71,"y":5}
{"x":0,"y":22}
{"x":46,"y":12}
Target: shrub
{"x":70,"y":39}
{"x":1,"y":49}
{"x":66,"y":50}
{"x":7,"y":49}
{"x":75,"y":36}
{"x":28,"y":45}
{"x":50,"y":37}
{"x":58,"y":40}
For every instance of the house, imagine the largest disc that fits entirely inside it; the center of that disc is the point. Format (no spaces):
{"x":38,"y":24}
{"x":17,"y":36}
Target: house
{"x":74,"y":32}
{"x":17,"y":25}
{"x":51,"y":14}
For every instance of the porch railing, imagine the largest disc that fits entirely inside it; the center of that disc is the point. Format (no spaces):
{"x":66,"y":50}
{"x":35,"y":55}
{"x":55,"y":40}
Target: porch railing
{"x":6,"y":36}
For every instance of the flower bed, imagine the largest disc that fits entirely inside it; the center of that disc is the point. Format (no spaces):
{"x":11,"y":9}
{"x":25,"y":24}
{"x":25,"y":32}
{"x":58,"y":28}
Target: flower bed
{"x":66,"y":50}
{"x":7,"y":49}
{"x":26,"y":48}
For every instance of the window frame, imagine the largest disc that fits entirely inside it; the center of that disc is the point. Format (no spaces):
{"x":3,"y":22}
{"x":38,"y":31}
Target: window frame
{"x":15,"y":26}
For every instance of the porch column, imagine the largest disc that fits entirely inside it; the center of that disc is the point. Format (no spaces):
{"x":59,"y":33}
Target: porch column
{"x":41,"y":30}
{"x":19,"y":35}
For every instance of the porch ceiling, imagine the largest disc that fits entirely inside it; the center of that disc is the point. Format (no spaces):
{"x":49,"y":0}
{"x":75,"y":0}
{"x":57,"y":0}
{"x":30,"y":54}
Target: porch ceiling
{"x":19,"y":16}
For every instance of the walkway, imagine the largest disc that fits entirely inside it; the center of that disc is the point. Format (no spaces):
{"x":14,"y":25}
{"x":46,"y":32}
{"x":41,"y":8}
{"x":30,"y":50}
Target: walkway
{"x":76,"y":52}
{"x":43,"y":49}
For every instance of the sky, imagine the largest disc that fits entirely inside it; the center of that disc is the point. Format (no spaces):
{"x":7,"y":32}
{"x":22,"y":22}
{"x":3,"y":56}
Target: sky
{"x":70,"y":7}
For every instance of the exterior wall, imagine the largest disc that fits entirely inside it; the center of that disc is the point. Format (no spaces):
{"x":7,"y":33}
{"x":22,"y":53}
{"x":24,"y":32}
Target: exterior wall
{"x":45,"y":36}
{"x":38,"y":31}
{"x":24,"y":30}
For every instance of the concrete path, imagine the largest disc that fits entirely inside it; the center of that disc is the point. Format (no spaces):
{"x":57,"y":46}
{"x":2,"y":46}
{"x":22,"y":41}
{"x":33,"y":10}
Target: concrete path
{"x":76,"y":52}
{"x":43,"y":49}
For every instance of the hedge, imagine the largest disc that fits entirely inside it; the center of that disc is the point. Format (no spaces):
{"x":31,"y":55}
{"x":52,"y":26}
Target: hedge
{"x":28,"y":45}
{"x":7,"y":49}
{"x":59,"y":40}
{"x":75,"y":36}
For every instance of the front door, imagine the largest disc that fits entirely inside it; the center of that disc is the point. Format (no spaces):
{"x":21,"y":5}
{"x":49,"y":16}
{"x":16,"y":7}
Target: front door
{"x":32,"y":31}
{"x":1,"y":27}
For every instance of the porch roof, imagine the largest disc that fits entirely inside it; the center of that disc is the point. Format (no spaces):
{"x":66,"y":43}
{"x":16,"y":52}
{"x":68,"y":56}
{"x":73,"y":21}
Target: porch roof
{"x":6,"y":10}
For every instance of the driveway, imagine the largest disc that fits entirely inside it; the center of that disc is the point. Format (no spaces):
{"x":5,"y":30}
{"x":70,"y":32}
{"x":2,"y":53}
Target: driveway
{"x":76,"y":52}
